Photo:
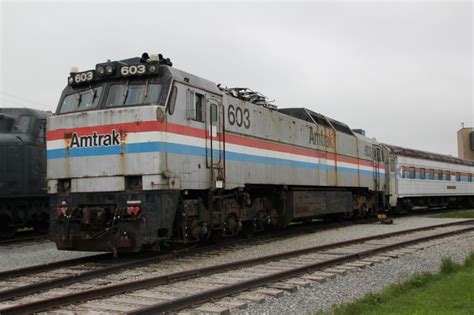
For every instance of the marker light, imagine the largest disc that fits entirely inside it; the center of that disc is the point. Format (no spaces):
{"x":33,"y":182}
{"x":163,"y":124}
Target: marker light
{"x":133,"y":210}
{"x":62,"y":209}
{"x":133,"y":207}
{"x":152,"y":68}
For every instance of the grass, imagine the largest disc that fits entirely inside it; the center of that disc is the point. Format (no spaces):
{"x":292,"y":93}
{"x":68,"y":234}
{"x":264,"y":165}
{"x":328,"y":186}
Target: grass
{"x":468,"y":214}
{"x":451,"y":291}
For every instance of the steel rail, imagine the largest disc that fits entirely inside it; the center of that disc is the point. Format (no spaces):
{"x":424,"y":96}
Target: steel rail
{"x":52,"y":283}
{"x":22,"y":239}
{"x":48,"y":284}
{"x":38,"y":306}
{"x":205,"y":296}
{"x":51,"y":266}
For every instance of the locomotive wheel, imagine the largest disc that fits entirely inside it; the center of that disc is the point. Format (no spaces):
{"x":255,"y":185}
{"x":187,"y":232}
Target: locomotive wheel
{"x":7,"y":230}
{"x":248,"y":229}
{"x":41,"y":223}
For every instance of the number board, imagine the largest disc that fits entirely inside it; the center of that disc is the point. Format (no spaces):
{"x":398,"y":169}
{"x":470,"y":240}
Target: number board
{"x":132,"y":70}
{"x":82,"y":77}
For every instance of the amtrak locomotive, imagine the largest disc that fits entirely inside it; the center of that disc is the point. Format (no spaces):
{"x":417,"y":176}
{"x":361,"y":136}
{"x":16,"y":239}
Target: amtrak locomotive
{"x":141,"y":154}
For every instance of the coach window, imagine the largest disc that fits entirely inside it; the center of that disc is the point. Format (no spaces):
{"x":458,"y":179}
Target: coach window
{"x":469,"y":177}
{"x":440,"y":175}
{"x":431,"y":174}
{"x":448,"y":175}
{"x":412,"y":173}
{"x":458,"y":176}
{"x":403,"y":172}
{"x":422,"y":173}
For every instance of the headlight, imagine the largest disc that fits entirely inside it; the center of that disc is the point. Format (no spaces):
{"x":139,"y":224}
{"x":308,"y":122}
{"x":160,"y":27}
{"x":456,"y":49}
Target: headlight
{"x":101,"y":70}
{"x":70,"y":80}
{"x":109,"y":69}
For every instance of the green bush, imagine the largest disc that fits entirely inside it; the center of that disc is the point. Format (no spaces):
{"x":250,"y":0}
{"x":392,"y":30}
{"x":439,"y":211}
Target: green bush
{"x":448,"y":266}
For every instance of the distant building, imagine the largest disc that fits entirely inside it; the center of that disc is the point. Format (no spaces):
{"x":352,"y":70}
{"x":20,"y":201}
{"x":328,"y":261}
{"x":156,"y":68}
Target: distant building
{"x":466,"y":143}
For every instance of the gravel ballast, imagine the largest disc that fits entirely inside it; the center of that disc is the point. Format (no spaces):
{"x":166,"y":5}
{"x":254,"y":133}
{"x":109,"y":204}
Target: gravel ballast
{"x":41,"y":253}
{"x":25,"y":255}
{"x":357,"y":284}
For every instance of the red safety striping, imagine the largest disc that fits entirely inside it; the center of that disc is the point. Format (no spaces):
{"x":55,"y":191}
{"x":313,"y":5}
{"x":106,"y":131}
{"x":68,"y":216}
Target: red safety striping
{"x":150,"y":126}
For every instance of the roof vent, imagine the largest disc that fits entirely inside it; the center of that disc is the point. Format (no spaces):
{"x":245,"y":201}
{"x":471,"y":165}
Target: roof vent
{"x":248,"y":95}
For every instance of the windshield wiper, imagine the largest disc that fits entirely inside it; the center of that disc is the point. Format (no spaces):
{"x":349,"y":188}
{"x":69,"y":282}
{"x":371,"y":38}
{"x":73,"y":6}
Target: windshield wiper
{"x":79,"y":99}
{"x":146,"y":89}
{"x":93,"y":92}
{"x":125,"y":93}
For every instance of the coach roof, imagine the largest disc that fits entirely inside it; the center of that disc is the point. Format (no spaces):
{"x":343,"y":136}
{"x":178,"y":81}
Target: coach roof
{"x":428,"y":155}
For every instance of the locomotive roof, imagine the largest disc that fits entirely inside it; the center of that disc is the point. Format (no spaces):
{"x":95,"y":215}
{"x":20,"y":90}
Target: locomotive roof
{"x":14,"y":111}
{"x":182,"y":76}
{"x":310,"y":116}
{"x":193,"y":80}
{"x":428,"y":155}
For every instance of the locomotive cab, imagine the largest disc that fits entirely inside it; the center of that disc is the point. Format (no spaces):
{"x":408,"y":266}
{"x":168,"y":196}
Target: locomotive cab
{"x":112,"y":178}
{"x":96,"y":179}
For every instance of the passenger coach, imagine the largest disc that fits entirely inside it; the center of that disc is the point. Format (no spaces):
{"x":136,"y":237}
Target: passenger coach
{"x":425,"y":179}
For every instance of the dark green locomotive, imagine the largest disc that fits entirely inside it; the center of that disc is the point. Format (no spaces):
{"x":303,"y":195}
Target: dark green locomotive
{"x":23,"y":193}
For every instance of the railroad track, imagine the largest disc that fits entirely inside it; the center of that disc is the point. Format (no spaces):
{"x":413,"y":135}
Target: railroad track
{"x":29,"y":280}
{"x":153,"y":291}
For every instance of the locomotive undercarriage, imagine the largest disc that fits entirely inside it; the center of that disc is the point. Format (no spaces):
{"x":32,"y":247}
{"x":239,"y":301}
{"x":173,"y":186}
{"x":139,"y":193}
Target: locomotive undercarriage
{"x":133,"y":221}
{"x":115,"y":221}
{"x":23,"y":212}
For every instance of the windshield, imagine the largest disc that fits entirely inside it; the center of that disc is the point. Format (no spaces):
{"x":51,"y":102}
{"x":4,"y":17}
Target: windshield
{"x":133,"y":94}
{"x":10,"y":124}
{"x":6,"y":124}
{"x":80,"y":101}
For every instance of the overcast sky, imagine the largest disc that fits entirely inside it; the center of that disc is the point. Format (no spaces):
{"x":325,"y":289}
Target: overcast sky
{"x":403,"y":71}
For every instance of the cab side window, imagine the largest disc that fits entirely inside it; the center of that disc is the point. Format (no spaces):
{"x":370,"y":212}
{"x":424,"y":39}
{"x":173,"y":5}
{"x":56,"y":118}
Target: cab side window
{"x":195,"y":103}
{"x":199,"y":106}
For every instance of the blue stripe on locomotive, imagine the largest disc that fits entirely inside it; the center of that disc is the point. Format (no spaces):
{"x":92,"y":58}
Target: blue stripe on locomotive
{"x":195,"y":151}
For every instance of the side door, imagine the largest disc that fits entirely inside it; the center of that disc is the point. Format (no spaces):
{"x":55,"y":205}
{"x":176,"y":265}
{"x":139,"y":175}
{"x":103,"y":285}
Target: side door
{"x":377,"y":158}
{"x":215,"y":142}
